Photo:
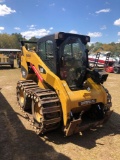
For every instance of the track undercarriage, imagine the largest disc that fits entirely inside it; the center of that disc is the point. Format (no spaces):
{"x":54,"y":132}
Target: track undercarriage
{"x":41,"y":104}
{"x":42,"y":107}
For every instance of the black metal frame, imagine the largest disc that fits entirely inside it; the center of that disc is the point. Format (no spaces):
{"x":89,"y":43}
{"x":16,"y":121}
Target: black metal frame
{"x":57,"y":40}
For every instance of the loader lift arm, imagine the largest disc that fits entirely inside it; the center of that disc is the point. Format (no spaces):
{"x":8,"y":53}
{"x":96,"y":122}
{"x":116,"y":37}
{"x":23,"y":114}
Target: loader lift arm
{"x":57,"y":86}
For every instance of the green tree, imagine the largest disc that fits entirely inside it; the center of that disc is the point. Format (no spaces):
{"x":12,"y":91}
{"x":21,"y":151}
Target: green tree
{"x":18,"y":38}
{"x":10,"y":41}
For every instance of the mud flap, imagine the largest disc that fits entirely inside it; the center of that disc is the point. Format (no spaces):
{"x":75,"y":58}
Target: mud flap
{"x":75,"y":126}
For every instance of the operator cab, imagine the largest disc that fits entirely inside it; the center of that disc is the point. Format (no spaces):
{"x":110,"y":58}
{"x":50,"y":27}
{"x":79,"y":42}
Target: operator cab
{"x":66,"y":55}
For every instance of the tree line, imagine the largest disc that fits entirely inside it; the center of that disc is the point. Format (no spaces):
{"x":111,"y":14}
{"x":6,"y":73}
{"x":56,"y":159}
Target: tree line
{"x":13,"y":41}
{"x":113,"y":47}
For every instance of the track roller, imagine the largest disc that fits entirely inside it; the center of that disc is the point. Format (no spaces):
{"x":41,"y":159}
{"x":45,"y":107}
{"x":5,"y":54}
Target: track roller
{"x":43,"y":104}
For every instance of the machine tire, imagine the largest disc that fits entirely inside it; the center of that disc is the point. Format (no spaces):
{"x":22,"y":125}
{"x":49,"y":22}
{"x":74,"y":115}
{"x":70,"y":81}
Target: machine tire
{"x":12,"y":65}
{"x":116,"y":70}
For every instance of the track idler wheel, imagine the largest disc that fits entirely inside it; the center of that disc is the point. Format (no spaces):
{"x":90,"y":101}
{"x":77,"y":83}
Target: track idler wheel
{"x":116,"y":70}
{"x":23,"y":100}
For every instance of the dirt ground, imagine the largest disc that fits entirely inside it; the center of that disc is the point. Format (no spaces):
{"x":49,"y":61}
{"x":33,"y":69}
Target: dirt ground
{"x":18,"y":141}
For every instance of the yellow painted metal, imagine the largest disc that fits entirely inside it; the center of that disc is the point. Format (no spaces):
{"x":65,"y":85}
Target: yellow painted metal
{"x":70,"y":100}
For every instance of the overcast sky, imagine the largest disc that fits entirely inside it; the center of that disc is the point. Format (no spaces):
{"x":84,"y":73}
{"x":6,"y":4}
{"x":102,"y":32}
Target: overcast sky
{"x":100,"y":19}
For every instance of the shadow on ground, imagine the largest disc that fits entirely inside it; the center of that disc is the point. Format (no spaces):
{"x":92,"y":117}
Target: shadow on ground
{"x":7,"y":67}
{"x":88,"y":138}
{"x":18,"y":143}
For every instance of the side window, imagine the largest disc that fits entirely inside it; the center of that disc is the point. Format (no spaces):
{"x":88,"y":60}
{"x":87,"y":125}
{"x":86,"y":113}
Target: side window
{"x":41,"y":50}
{"x":45,"y":52}
{"x":50,"y":59}
{"x":49,"y":49}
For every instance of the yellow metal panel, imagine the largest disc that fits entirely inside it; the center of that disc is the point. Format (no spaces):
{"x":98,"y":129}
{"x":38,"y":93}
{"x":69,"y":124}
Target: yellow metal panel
{"x":69,"y":99}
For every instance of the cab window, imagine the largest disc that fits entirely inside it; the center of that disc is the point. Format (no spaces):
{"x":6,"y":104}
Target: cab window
{"x":45,"y":52}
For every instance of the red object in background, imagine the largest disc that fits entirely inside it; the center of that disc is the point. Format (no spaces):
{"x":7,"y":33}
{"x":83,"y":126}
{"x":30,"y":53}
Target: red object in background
{"x":109,"y":69}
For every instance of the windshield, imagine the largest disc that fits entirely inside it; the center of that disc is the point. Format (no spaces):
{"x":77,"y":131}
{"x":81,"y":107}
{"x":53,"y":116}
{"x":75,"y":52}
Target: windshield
{"x":72,"y":51}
